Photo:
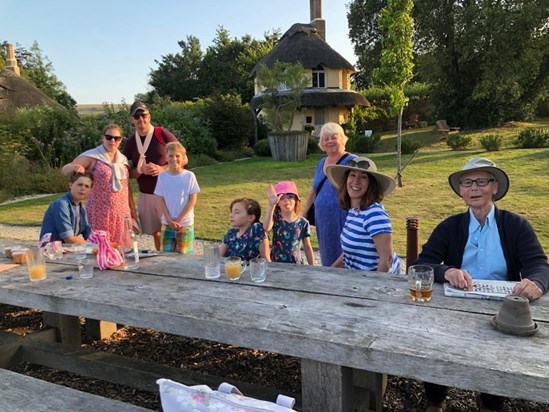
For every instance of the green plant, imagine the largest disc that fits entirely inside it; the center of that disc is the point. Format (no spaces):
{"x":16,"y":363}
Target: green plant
{"x":312,"y":146}
{"x":409,"y":145}
{"x":263,"y":148}
{"x":459,"y":141}
{"x":284,"y":84}
{"x":358,"y":143}
{"x":309,"y":128}
{"x":491,"y":142}
{"x":531,"y":138}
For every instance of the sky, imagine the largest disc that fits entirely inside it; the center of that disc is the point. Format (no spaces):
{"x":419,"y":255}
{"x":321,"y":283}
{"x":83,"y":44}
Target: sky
{"x":104,"y":50}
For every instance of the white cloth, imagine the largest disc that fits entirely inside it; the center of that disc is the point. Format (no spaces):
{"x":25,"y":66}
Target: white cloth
{"x":176,"y":190}
{"x":142,"y":148}
{"x":118,"y":167}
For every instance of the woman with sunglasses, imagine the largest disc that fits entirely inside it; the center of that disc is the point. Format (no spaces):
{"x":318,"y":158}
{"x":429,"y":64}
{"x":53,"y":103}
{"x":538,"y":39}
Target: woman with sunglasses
{"x":290,"y":230}
{"x":110,"y":199}
{"x":367,"y":237}
{"x":484,"y":242}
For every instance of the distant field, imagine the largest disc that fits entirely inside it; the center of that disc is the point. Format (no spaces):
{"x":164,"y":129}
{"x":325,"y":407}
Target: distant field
{"x":91,"y":108}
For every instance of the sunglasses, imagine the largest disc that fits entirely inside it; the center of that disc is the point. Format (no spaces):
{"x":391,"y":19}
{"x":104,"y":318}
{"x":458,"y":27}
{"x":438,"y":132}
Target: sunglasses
{"x":110,"y":137}
{"x":138,"y":115}
{"x":362,"y":164}
{"x":289,"y":196}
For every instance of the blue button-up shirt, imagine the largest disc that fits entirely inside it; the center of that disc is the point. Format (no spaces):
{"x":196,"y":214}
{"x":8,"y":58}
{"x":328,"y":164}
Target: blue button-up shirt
{"x":483,"y":257}
{"x":60,"y":219}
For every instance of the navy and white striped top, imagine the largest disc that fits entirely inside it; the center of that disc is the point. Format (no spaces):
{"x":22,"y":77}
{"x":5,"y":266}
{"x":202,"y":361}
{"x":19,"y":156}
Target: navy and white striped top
{"x":359,"y":250}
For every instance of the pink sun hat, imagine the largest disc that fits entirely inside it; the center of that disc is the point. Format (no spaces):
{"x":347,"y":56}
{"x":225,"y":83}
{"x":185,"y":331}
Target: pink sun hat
{"x":286,"y":186}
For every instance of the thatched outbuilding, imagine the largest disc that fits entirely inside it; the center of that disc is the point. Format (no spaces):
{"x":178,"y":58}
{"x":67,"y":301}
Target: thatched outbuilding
{"x":16,"y":92}
{"x":329,"y":97}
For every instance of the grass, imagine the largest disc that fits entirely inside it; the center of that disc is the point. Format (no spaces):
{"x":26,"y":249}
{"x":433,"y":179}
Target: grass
{"x":425,"y":193}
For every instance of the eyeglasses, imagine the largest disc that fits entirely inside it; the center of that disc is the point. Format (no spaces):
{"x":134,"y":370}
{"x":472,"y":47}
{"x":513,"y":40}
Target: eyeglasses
{"x":362,"y":164}
{"x":138,"y":115}
{"x":110,"y":137}
{"x":480,"y":182}
{"x":289,"y":196}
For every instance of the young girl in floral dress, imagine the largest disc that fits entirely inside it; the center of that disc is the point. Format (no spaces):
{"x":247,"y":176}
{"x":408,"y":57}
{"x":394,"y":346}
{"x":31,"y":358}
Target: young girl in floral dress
{"x":246,"y":238}
{"x":290,"y":230}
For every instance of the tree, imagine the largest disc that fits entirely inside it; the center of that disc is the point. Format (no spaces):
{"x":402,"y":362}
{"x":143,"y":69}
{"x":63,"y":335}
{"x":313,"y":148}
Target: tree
{"x":284,"y":84}
{"x":177,"y":74}
{"x":38,"y":70}
{"x":397,"y":60}
{"x":224,"y":68}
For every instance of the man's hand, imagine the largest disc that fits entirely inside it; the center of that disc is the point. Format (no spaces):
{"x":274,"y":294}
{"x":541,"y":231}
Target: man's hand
{"x":459,"y":278}
{"x":151,"y":169}
{"x":528,"y":289}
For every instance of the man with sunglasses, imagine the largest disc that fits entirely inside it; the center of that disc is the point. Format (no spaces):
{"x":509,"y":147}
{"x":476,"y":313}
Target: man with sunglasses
{"x":146,"y":153}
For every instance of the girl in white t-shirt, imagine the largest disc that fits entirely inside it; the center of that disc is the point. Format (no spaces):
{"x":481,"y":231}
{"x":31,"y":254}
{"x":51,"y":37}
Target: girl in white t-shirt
{"x":179,"y":190}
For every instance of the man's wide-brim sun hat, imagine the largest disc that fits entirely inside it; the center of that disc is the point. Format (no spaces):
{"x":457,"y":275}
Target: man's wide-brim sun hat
{"x":336,"y":173}
{"x":287,"y":186}
{"x":483,"y":165}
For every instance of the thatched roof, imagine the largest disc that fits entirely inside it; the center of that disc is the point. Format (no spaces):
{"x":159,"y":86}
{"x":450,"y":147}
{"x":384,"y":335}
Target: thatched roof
{"x":302,"y":44}
{"x":16,"y":92}
{"x":312,"y":97}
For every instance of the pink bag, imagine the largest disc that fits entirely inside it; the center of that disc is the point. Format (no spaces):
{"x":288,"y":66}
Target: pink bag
{"x":107,"y":256}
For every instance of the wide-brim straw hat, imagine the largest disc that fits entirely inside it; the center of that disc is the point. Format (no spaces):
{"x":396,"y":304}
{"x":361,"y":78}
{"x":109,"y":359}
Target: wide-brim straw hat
{"x":336,"y":173}
{"x":483,"y":165}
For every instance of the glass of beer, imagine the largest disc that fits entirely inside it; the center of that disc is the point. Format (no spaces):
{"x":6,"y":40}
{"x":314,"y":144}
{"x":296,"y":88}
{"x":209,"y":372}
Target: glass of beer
{"x":420,"y":282}
{"x":234,"y":267}
{"x":36,"y":264}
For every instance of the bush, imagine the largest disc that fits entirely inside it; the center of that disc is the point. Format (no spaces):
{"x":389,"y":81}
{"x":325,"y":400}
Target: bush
{"x":200,"y":160}
{"x":361,"y":144}
{"x":531,"y":138}
{"x":409,"y":145}
{"x":263,"y":148}
{"x":459,"y":141}
{"x":312,"y":146}
{"x":491,"y":142}
{"x":368,"y":118}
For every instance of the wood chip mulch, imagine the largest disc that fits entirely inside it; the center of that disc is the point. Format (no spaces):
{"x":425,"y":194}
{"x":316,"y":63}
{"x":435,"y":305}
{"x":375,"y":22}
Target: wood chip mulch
{"x":231,"y":362}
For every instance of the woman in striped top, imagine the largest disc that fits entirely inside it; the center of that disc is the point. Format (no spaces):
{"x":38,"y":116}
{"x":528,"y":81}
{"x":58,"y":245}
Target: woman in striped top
{"x":366,"y":239}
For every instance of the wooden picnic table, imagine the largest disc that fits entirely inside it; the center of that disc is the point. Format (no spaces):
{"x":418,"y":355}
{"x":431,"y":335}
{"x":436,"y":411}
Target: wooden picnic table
{"x":333,"y":319}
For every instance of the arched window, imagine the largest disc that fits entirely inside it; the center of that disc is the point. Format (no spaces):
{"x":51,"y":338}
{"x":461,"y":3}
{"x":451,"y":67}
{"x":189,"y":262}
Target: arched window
{"x":319,"y":76}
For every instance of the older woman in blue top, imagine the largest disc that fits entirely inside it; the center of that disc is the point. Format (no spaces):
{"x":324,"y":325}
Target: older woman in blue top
{"x":484,"y":243}
{"x":367,"y":237}
{"x":66,"y":218}
{"x":329,"y":217}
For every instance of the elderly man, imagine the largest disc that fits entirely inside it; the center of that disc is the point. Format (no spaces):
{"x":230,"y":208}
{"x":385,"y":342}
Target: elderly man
{"x":147,"y":157}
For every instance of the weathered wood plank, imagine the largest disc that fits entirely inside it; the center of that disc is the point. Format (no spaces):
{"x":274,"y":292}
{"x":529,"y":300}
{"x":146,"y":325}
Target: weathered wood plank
{"x":374,"y":327}
{"x":21,"y":393}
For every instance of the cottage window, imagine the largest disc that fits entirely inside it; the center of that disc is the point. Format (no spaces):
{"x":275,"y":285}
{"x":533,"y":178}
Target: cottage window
{"x":319,"y":77}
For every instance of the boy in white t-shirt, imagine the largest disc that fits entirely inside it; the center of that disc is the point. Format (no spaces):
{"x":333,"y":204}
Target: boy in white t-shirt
{"x":179,"y":190}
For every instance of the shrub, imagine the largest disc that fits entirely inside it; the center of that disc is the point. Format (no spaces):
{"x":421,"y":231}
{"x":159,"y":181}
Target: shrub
{"x":361,"y":144}
{"x":263,"y":148}
{"x":409,"y":145}
{"x":491,"y":142}
{"x":312,"y":146}
{"x":200,"y":160}
{"x":531,"y":138}
{"x":368,"y":118}
{"x":459,"y":141}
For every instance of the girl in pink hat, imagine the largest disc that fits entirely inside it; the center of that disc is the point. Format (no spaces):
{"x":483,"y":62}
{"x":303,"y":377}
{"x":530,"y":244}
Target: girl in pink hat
{"x":290,"y":230}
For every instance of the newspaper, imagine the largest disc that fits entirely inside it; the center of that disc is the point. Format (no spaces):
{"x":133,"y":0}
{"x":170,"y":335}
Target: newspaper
{"x":482,"y":289}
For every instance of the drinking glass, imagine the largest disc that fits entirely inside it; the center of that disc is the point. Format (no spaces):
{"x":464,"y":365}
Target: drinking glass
{"x":36,"y":264}
{"x":420,"y":282}
{"x":211,"y":262}
{"x":234,"y":267}
{"x":258,"y":270}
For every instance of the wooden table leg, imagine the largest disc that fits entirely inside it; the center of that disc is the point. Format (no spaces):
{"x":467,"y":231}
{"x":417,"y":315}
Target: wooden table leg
{"x":100,"y":329}
{"x":68,"y":327}
{"x":326,"y":387}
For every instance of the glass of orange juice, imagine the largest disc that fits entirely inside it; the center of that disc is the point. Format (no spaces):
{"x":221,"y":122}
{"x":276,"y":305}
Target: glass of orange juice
{"x":233,"y":267}
{"x":36,"y":264}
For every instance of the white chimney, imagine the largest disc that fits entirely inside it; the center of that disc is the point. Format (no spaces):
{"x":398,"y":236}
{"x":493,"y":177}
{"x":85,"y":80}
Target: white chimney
{"x":11,"y":62}
{"x":316,"y":17}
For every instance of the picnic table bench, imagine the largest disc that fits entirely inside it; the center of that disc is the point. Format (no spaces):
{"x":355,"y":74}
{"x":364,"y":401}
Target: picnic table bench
{"x":335,"y":320}
{"x":22,"y":393}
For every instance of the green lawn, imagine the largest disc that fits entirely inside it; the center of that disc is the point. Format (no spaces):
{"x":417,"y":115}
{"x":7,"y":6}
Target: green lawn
{"x":425,"y":193}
